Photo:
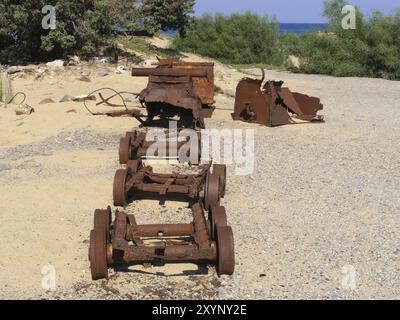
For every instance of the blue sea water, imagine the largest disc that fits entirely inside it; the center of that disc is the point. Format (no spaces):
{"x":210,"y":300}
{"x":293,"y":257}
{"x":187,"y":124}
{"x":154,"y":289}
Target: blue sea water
{"x":300,"y":28}
{"x":297,"y":28}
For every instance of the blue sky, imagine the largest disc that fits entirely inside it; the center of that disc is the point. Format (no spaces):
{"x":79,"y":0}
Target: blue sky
{"x":288,"y":10}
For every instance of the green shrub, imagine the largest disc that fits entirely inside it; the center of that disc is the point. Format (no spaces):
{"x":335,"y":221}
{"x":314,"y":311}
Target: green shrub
{"x":371,"y":50}
{"x":237,"y":39}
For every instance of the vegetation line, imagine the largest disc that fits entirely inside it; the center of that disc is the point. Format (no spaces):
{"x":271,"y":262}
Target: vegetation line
{"x":372,"y":49}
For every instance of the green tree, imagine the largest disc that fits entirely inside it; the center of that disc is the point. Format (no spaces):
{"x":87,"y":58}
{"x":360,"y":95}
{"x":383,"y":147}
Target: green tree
{"x":333,"y":11}
{"x":82,"y":27}
{"x":167,"y":14}
{"x":239,"y":39}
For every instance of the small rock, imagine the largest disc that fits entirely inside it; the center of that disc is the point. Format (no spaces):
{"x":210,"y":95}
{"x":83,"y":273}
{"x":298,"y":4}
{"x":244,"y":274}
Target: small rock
{"x":230,"y":92}
{"x":66,"y":98}
{"x":71,"y":111}
{"x":14,"y":69}
{"x":120,"y":69}
{"x":24,"y":109}
{"x":41,"y":73}
{"x":149,"y":62}
{"x":47,"y":101}
{"x":84,"y":79}
{"x":55,"y":64}
{"x":86,"y":73}
{"x":69,"y":139}
{"x":29,"y":70}
{"x":73,"y":60}
{"x":104,"y":73}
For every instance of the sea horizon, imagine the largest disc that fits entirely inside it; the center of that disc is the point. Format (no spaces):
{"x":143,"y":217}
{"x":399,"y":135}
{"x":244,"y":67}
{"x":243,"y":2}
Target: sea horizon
{"x":284,"y":27}
{"x":300,"y":28}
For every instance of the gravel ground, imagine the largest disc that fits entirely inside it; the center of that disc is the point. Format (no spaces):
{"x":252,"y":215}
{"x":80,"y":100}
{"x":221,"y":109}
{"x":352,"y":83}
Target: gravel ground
{"x":322,"y":197}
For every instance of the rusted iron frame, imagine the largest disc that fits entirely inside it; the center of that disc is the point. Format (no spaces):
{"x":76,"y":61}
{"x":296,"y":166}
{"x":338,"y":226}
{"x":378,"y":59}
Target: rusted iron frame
{"x":145,"y":180}
{"x":114,"y":114}
{"x":169,"y":72}
{"x":126,"y":231}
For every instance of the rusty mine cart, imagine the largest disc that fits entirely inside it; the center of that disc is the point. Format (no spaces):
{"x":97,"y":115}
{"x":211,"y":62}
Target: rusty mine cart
{"x":125,"y":242}
{"x":138,"y":180}
{"x":176,"y":88}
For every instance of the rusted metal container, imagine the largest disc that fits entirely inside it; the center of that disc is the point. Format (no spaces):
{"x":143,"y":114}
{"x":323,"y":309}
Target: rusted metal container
{"x":272,"y":104}
{"x":125,"y":242}
{"x":176,"y":88}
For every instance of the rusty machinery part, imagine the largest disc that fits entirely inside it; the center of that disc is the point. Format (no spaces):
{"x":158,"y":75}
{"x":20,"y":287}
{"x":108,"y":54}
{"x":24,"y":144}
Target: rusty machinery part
{"x":220,"y":171}
{"x":22,"y":102}
{"x":134,"y":165}
{"x":273,"y":105}
{"x":119,"y":188}
{"x":170,"y":72}
{"x":125,"y":150}
{"x":106,"y":101}
{"x":217,"y":217}
{"x":20,"y":93}
{"x":202,"y":185}
{"x":135,"y":146}
{"x":99,"y":241}
{"x":166,"y":99}
{"x":178,"y":88}
{"x":202,"y":74}
{"x":212,"y":194}
{"x":226,"y":251}
{"x":130,"y":243}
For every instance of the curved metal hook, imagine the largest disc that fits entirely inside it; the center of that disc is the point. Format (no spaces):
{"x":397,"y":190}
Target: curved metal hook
{"x":263,"y":75}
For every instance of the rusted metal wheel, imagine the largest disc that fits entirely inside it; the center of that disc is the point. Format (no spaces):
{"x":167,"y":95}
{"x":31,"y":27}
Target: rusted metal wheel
{"x":217,"y":218}
{"x":119,"y":189}
{"x":220,"y":171}
{"x":124,"y":150}
{"x":226,"y":251}
{"x":134,"y":165}
{"x":212,"y":191}
{"x":102,"y":219}
{"x":99,"y":238}
{"x":131,"y":135}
